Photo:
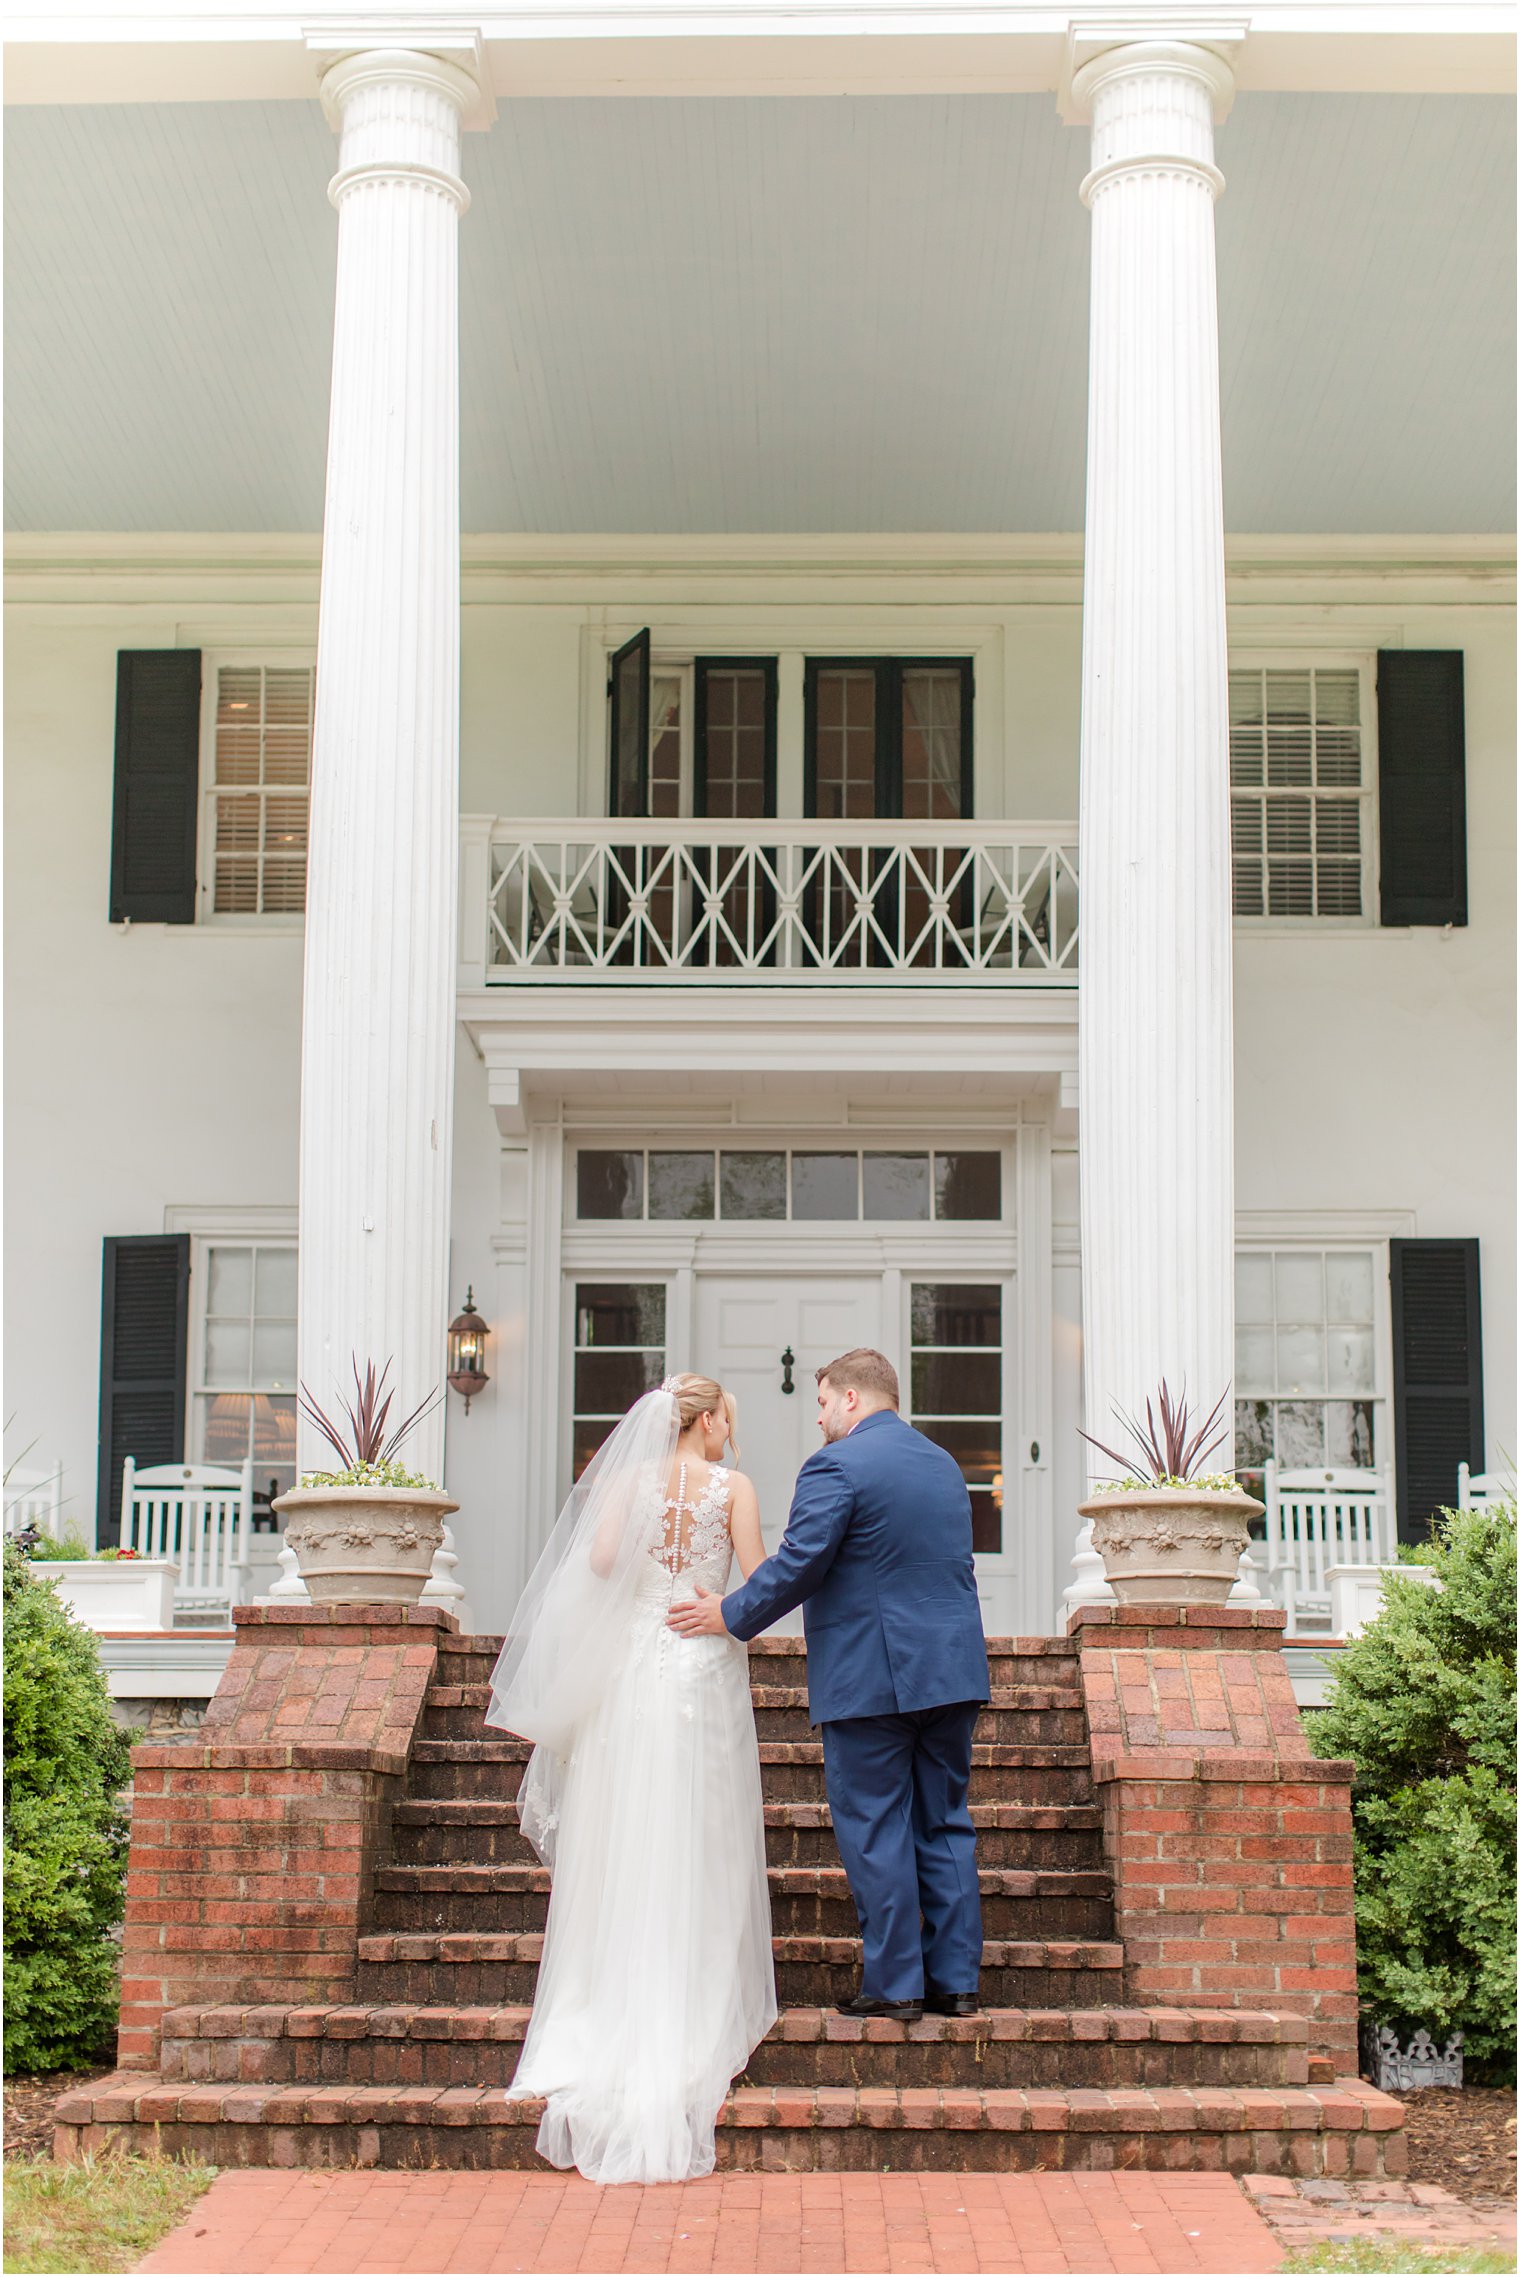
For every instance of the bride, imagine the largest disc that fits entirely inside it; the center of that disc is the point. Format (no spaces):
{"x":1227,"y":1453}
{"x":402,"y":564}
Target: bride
{"x":642,"y":1797}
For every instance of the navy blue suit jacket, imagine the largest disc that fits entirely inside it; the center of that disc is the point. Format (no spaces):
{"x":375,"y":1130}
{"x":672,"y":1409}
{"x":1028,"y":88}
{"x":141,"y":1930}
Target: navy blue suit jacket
{"x":877,"y":1551}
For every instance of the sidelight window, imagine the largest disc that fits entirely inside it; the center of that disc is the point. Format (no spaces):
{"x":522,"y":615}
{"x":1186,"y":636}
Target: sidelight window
{"x":619,"y":1355}
{"x":956,"y":1389}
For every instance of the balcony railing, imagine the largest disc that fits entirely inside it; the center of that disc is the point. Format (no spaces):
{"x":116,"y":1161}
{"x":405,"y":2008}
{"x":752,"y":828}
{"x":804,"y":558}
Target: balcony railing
{"x":781,"y":902}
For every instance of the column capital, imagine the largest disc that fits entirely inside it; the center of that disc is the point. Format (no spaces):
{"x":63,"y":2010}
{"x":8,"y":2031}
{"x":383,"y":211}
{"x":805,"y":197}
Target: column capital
{"x":1153,"y":104}
{"x":447,"y":59}
{"x":1100,"y":54}
{"x":398,"y":113}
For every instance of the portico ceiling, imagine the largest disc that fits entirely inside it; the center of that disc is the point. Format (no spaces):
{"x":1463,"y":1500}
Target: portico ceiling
{"x":760,"y":315}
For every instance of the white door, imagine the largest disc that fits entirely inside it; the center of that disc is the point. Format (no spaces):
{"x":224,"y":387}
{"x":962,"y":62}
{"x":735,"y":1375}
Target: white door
{"x":745,"y":1325}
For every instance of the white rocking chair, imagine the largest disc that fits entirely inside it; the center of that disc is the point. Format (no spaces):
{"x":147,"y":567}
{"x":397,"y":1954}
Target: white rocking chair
{"x":35,"y":1498}
{"x":1477,"y":1490}
{"x":200,"y":1517}
{"x":1319,"y":1519}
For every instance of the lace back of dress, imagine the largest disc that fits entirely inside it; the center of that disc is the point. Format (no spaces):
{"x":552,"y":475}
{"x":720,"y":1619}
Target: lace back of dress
{"x":695,"y":1531}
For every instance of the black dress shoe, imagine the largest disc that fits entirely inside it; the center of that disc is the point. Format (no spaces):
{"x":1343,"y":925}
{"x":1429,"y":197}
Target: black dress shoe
{"x":953,"y":2003}
{"x":904,"y":2011}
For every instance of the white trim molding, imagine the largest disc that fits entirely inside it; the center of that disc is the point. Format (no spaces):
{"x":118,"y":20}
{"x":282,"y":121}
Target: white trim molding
{"x":1326,"y":1229}
{"x":226,"y":582}
{"x":233,"y":1221}
{"x":81,"y":51}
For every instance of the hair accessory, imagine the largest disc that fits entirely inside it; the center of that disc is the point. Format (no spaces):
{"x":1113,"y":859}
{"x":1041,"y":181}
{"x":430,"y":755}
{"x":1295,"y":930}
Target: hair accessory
{"x":672,"y":1384}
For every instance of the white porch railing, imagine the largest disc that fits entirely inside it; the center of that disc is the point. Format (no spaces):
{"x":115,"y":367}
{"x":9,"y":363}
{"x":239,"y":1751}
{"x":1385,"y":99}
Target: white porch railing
{"x":775,"y":901}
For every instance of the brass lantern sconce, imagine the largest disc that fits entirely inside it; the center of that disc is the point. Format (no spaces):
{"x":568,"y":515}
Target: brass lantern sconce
{"x":467,"y":1351}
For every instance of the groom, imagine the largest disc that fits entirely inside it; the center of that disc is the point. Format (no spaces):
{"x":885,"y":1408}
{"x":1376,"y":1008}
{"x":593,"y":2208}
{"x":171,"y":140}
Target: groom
{"x":877,"y":1550}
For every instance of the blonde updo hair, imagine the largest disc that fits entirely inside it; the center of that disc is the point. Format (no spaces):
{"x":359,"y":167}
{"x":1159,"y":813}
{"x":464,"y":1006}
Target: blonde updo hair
{"x":696,"y":1396}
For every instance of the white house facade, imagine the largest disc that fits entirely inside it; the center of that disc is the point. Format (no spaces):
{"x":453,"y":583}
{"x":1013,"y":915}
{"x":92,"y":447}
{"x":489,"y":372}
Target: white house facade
{"x":889,"y":729}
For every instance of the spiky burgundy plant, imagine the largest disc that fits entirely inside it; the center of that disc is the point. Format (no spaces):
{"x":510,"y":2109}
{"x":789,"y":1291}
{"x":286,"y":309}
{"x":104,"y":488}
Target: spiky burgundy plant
{"x":369,"y":1448}
{"x":1173,"y":1450}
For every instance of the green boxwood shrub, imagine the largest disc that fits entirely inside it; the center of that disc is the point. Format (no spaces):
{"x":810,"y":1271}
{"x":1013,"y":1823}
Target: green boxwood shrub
{"x":65,"y":1833}
{"x":1424,"y":1704}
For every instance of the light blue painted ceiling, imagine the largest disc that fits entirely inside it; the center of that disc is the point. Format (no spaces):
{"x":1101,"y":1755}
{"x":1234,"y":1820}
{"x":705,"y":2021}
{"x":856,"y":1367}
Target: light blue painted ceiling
{"x":772,"y":315}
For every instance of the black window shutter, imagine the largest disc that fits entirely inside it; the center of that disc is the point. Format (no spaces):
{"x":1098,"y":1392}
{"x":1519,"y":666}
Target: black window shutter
{"x":144,"y":1353}
{"x":1422,"y":787}
{"x":1437,"y":1375}
{"x":628,"y":712}
{"x":158,"y":730}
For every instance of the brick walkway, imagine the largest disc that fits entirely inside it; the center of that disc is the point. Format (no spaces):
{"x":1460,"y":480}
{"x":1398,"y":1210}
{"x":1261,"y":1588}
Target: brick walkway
{"x":263,"y":2221}
{"x":1306,"y":2214}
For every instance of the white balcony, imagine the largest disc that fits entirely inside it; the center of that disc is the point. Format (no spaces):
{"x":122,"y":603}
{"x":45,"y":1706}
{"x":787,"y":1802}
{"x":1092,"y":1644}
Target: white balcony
{"x":770,"y":903}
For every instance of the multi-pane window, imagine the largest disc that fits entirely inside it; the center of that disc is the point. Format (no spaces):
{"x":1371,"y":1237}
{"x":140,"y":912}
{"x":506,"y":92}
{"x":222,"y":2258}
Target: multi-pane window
{"x":665,"y":771}
{"x":735,"y":739}
{"x":619,"y":1355}
{"x":1299,"y":820}
{"x":258,"y":797}
{"x":932,"y":726}
{"x":844,"y":767}
{"x":1306,"y":1361}
{"x":888,"y":738}
{"x":956,"y":1389}
{"x":244,"y":1395}
{"x":742,"y":1183}
{"x":691,"y":736}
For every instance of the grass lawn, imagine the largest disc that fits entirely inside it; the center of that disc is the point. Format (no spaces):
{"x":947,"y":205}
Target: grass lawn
{"x":97,"y":2215}
{"x":1377,"y":2257}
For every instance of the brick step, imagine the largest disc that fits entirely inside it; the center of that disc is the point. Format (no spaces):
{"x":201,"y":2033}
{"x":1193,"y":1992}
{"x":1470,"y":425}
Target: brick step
{"x":1021,"y":1715}
{"x":783,"y":1660}
{"x":807,"y":2047}
{"x":474,"y":1831}
{"x":806,"y":1901}
{"x":791,"y":1771}
{"x":1347,"y":2128}
{"x":475,"y":1968}
{"x":480,"y":1641}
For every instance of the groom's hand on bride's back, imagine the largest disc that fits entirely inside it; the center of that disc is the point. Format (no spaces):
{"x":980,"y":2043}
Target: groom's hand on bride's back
{"x":702,"y":1616}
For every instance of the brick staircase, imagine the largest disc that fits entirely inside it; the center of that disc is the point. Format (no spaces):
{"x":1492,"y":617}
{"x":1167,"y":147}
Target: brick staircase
{"x":1068,"y":2065}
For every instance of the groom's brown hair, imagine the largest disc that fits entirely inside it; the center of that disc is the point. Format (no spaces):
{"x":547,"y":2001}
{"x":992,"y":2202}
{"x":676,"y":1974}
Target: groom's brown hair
{"x":863,"y":1371}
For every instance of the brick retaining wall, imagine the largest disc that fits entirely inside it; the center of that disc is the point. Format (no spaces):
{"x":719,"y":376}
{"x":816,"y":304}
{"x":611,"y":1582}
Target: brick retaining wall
{"x":254,"y":1851}
{"x":1228,"y":1841}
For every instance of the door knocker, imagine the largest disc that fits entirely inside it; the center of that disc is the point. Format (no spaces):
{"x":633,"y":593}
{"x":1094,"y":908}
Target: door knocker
{"x":788,"y":1362}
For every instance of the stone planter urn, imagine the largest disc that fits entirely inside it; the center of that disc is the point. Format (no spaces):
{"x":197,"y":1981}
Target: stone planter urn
{"x":1170,"y":1545}
{"x":364,"y":1545}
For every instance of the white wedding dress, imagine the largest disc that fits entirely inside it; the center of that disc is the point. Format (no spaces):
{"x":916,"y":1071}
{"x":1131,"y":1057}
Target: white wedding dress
{"x":656,"y":1980}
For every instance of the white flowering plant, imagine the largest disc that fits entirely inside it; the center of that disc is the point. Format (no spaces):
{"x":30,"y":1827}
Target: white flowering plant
{"x":1203,"y":1482}
{"x":371,"y":1474}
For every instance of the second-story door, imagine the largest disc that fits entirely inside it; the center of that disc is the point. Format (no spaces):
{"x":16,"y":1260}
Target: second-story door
{"x":886,"y":739}
{"x":692,"y":739}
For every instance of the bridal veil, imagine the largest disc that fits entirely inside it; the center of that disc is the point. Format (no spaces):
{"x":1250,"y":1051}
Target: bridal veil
{"x":565,"y":1639}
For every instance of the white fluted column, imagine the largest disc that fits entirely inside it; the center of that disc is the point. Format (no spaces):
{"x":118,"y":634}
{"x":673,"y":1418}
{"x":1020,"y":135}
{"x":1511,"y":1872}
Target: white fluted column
{"x":377,"y":1048}
{"x":1157,"y":1141}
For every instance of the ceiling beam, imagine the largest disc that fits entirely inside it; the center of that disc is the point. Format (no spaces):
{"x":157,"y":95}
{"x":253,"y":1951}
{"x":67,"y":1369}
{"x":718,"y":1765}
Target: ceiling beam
{"x":80,"y":51}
